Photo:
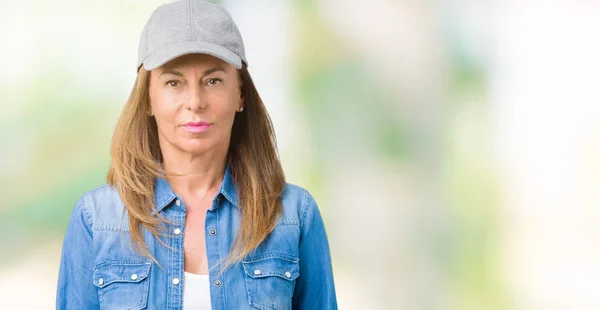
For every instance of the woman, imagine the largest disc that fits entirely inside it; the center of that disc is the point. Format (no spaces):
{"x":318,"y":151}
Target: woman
{"x":196,"y":213}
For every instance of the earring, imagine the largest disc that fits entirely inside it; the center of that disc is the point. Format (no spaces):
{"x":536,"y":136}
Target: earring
{"x":241,"y":109}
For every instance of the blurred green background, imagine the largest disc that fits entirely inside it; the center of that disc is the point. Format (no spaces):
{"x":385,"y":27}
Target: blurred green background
{"x":452,"y":146}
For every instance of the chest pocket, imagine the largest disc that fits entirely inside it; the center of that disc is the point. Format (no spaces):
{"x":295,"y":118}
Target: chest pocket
{"x":270,"y":282}
{"x":122,"y":284}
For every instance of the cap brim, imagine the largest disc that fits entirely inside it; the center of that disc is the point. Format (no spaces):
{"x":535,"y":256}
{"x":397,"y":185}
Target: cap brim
{"x":170,"y":52}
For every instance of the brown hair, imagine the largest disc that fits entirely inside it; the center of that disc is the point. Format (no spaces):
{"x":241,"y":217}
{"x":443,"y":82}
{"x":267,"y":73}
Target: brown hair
{"x":252,"y":157}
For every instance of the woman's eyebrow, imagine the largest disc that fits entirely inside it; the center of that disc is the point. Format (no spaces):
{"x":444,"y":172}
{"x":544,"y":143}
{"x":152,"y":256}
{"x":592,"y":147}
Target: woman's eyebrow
{"x":211,"y":70}
{"x":171,"y":71}
{"x":177,"y":73}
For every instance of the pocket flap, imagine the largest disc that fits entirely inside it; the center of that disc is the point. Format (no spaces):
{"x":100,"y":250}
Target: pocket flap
{"x":120,"y":271}
{"x":285,"y":268}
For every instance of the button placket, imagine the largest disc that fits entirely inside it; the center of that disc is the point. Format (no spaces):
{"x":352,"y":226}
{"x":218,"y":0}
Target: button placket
{"x":175,"y":273}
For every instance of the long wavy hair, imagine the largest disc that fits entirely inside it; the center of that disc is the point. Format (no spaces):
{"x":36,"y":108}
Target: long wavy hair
{"x":252,"y":156}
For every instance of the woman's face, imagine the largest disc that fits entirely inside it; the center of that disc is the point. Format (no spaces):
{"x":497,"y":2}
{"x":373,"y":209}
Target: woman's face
{"x":194,"y":99}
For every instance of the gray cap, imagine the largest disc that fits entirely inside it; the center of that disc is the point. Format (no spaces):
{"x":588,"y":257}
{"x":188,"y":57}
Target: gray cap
{"x":187,"y":27}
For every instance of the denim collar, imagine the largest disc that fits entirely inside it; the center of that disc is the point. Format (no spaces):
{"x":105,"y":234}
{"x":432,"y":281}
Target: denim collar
{"x":164,"y":195}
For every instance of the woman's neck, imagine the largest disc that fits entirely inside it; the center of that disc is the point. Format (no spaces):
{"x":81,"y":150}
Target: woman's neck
{"x":197,"y":175}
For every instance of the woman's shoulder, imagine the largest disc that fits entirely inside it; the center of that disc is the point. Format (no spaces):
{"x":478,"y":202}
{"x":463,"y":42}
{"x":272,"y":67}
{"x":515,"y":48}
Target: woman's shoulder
{"x":104,"y":206}
{"x":296,"y":202}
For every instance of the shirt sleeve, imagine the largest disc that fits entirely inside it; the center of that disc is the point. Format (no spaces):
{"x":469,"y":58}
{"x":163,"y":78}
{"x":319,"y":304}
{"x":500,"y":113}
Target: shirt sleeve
{"x":75,"y":288}
{"x":314,"y":287}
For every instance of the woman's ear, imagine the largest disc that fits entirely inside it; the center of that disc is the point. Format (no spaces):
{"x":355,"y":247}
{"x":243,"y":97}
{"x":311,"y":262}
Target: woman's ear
{"x":241,"y":102}
{"x":240,"y":84}
{"x":149,"y":112}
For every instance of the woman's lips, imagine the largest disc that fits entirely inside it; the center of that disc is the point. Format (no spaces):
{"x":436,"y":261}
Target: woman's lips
{"x":197,"y":127}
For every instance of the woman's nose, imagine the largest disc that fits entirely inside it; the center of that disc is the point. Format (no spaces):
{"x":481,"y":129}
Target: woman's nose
{"x":195,"y":100}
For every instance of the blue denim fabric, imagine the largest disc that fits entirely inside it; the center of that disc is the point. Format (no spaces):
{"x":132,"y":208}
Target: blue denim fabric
{"x":291,"y":269}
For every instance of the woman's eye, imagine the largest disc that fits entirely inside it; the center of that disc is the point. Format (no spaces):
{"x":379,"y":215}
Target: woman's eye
{"x":214,"y":82}
{"x":172,"y":83}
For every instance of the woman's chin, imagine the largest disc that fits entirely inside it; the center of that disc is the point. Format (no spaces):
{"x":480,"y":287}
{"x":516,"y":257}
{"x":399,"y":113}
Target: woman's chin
{"x":196,"y":147}
{"x":196,"y":150}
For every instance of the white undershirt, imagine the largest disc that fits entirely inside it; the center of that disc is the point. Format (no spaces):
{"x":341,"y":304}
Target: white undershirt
{"x":196,"y":292}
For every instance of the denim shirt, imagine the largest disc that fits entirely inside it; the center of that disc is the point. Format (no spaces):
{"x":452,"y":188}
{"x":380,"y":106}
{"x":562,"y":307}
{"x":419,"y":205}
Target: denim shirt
{"x":290,"y":269}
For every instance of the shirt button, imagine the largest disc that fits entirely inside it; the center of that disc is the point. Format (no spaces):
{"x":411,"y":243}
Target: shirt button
{"x":217,"y":283}
{"x":134,"y":276}
{"x":218,"y":199}
{"x":213,"y":232}
{"x":178,"y":202}
{"x":177,"y":231}
{"x":175,"y":281}
{"x":256,"y":272}
{"x":100,"y":281}
{"x":288,"y":274}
